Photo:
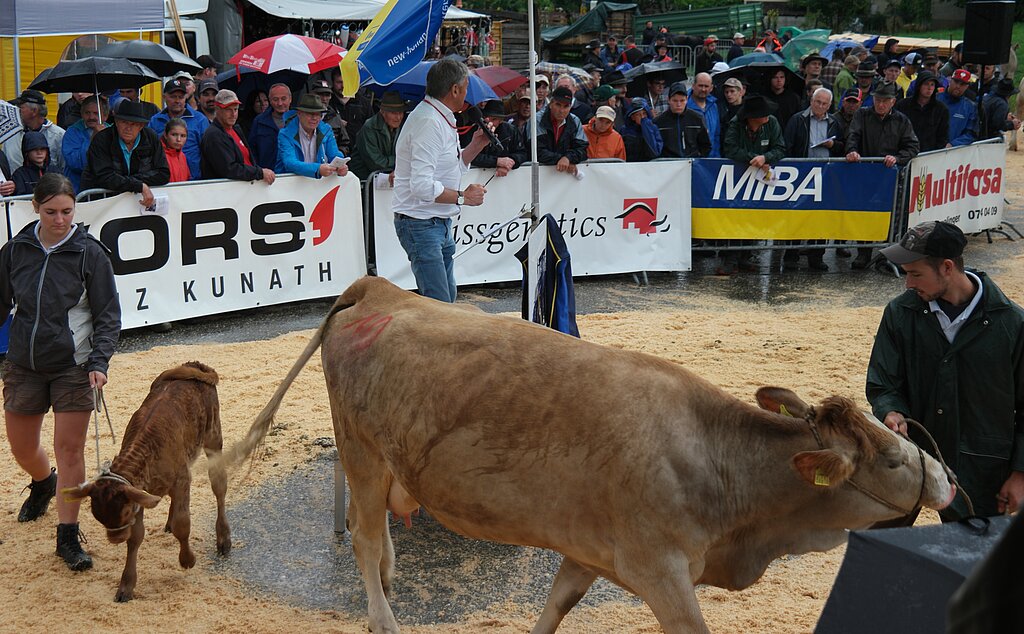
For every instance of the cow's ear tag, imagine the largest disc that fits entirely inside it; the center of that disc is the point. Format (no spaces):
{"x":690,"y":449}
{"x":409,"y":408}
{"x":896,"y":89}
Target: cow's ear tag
{"x":820,"y":479}
{"x":784,"y":411}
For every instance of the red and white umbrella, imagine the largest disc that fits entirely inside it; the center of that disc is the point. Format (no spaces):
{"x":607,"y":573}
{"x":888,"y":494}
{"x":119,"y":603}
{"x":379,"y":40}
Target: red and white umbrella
{"x":289,"y":52}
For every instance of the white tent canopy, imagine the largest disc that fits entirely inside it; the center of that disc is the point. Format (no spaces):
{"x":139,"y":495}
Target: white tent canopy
{"x":52,"y":17}
{"x":333,"y":10}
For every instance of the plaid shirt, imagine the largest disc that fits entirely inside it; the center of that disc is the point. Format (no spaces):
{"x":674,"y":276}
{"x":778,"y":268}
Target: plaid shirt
{"x":830,"y":72}
{"x":659,"y":104}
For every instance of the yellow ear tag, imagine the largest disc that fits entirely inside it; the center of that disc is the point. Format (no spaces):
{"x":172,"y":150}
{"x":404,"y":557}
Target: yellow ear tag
{"x":784,"y":411}
{"x":820,"y":479}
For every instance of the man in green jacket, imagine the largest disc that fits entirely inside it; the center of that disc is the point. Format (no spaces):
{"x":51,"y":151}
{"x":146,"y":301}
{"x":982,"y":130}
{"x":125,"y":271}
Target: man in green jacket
{"x":949,"y":353}
{"x":374,"y":149}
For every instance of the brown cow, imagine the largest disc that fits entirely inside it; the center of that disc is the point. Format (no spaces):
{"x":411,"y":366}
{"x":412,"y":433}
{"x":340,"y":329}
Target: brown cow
{"x":629,"y":465}
{"x":180,"y":415}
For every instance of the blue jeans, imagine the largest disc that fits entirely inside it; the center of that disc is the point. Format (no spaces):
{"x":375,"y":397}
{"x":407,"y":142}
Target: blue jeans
{"x":430,"y":247}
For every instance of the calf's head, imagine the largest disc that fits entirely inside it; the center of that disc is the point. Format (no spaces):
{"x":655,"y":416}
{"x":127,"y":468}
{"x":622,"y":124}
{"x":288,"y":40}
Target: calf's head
{"x":869,"y":472}
{"x":114,"y":504}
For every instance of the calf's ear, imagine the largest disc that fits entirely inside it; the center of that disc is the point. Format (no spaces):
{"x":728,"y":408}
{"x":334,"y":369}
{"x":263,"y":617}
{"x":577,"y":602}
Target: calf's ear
{"x":80,"y":492}
{"x":823,"y":468}
{"x":781,"y":401}
{"x":140,"y":497}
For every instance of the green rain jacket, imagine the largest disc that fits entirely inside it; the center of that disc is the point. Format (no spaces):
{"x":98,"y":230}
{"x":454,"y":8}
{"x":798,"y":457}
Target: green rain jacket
{"x":969,"y":394}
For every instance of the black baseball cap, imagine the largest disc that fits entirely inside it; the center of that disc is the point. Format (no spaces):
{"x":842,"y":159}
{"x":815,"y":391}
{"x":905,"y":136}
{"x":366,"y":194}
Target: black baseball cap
{"x":29,"y":96}
{"x":929,"y":239}
{"x":562,"y":94}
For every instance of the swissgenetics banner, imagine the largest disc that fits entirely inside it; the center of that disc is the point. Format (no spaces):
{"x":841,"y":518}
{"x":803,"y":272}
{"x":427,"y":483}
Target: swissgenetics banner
{"x":620,"y":218}
{"x":800,"y":201}
{"x":962,"y":186}
{"x":221,"y":246}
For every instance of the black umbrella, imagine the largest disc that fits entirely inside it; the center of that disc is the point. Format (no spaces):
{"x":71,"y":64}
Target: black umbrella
{"x":671,"y":72}
{"x":160,"y":59}
{"x":93,"y":74}
{"x":757,"y":76}
{"x":244,"y":80}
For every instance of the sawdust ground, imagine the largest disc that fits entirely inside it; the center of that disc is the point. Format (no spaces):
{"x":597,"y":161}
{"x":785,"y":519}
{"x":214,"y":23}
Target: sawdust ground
{"x":816,"y":352}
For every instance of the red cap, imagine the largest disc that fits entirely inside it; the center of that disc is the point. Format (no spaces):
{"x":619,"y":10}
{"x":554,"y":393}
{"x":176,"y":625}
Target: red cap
{"x":962,"y":75}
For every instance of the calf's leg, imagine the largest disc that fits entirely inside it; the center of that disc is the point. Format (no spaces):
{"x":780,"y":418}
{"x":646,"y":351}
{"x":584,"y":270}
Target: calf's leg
{"x":571,"y":583}
{"x":181,"y":523}
{"x":387,"y":561}
{"x":219,"y":483}
{"x":663,"y":580}
{"x":126,"y":589}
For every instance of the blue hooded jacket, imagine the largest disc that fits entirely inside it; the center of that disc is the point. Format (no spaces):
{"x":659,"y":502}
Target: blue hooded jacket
{"x":643,"y":142}
{"x":963,"y":118}
{"x":289,"y":153}
{"x":26,"y":176}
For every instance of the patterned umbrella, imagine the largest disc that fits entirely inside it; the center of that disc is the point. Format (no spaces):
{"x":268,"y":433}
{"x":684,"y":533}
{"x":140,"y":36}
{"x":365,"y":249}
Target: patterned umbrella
{"x":289,"y":52}
{"x":582,"y":77}
{"x":503,"y":80}
{"x":10,"y":120}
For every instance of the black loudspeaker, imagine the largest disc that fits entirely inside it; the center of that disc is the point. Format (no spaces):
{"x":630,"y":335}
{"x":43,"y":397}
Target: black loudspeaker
{"x":987,"y":31}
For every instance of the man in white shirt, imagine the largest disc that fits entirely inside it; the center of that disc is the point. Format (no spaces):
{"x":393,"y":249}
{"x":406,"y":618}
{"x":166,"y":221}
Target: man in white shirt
{"x":429,"y":166}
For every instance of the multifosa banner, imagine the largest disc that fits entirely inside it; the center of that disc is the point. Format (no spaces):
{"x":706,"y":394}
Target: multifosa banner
{"x":214,"y":247}
{"x":617,"y":218}
{"x":962,"y":186}
{"x":797,"y":200}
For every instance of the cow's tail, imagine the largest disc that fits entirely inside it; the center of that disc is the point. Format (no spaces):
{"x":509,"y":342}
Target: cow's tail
{"x":258,"y":431}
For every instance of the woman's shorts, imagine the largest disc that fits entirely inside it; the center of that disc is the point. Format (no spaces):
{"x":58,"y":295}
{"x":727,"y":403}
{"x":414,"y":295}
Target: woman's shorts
{"x":29,"y":392}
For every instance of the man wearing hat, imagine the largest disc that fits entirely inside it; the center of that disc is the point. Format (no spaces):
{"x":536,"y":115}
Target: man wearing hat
{"x":736,"y":50}
{"x":522,"y":115}
{"x":888,"y":52}
{"x":225,"y":154}
{"x":963,"y":113}
{"x":133,"y":94}
{"x":754,"y":137}
{"x":911,"y":64}
{"x":890,"y":73}
{"x":210,"y":68}
{"x":127,"y":157}
{"x":865,"y":78}
{"x":560,"y":138}
{"x":849,"y":107}
{"x":996,"y":109}
{"x":846,"y":78}
{"x":733,"y":92}
{"x":512,"y":152}
{"x":640,"y":135}
{"x":708,"y":56}
{"x":306,"y":145}
{"x":604,"y":141}
{"x":682,"y":130}
{"x":322,"y":90}
{"x":175,"y":92}
{"x":931,"y":64}
{"x":542,"y":87}
{"x":927,"y":114}
{"x":590,"y":54}
{"x":208,"y":90}
{"x":33,"y":110}
{"x":948,"y":354}
{"x":374,"y":149}
{"x":610,"y":53}
{"x":955,"y":61}
{"x":811,"y":67}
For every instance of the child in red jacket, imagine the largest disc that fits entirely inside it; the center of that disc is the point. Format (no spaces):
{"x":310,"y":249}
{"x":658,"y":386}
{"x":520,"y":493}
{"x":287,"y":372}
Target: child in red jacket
{"x":173,"y":139}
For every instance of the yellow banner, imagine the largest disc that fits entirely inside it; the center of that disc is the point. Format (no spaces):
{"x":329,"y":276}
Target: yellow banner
{"x":790,"y":224}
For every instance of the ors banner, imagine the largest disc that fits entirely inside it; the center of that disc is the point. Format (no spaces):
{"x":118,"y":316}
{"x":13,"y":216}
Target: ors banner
{"x":224,"y":246}
{"x":801,"y":201}
{"x":621,"y":217}
{"x":962,"y":186}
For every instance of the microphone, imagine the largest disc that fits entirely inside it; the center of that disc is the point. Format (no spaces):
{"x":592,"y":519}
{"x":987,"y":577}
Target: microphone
{"x":474,"y":115}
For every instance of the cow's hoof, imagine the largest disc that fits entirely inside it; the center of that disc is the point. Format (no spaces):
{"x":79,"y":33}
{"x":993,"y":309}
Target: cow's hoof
{"x":224,"y":549}
{"x":123,"y":596}
{"x":167,"y":527}
{"x":187,"y":560}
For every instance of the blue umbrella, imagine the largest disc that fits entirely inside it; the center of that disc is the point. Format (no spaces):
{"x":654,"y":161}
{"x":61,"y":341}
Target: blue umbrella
{"x":413,"y":85}
{"x":846,"y":43}
{"x":750,"y":58}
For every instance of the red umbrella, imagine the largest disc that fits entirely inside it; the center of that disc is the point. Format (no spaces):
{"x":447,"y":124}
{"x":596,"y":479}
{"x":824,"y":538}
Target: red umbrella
{"x":503,"y":81}
{"x":289,"y":52}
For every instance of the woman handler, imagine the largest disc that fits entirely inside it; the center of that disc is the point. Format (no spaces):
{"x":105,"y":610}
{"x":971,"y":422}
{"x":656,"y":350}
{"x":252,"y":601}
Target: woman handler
{"x":66,"y":324}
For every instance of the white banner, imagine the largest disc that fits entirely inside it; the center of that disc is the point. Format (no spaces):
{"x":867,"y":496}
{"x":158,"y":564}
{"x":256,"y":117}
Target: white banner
{"x":963,"y":186}
{"x":223,"y":246}
{"x":620,"y":218}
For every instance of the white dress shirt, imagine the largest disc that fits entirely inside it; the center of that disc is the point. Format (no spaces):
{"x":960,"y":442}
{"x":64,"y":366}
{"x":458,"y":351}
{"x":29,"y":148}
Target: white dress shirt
{"x":428,"y":159}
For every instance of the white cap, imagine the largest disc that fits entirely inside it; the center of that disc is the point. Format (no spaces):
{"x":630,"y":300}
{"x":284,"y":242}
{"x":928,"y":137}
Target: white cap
{"x":605,"y":112}
{"x":719,"y":67}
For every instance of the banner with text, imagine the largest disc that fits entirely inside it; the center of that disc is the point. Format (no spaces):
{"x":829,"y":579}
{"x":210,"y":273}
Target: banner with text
{"x":619,"y":218}
{"x":223,"y":246}
{"x":962,"y":186}
{"x":798,"y":201}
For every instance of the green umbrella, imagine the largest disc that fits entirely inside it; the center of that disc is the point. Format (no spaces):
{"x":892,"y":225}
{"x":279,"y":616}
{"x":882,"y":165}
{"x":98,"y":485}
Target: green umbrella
{"x":803,"y":45}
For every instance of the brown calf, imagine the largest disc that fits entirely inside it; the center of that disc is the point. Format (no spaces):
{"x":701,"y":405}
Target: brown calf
{"x":180,"y":415}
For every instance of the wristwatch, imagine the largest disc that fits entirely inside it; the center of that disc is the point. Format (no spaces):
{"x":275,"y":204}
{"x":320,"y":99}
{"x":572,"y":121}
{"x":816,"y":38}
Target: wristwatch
{"x":461,"y":200}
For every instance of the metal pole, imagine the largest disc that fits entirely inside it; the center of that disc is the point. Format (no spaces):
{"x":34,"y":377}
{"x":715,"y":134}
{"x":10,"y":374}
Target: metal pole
{"x":17,"y":66}
{"x":534,"y":168}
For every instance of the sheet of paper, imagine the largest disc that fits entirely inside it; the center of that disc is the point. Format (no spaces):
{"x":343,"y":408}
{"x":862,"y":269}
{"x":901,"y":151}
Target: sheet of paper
{"x":817,"y":145}
{"x":161,"y":205}
{"x":381,"y":181}
{"x":338,"y":161}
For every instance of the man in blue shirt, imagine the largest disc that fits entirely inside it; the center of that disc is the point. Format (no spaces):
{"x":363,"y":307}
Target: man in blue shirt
{"x":174,"y":98}
{"x":963,"y":113}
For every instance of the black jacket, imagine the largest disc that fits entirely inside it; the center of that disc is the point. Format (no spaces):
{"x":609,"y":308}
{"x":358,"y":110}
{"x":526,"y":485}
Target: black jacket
{"x":786,"y":105}
{"x":931,"y":122}
{"x":105,"y":167}
{"x":513,"y":143}
{"x":706,"y":62}
{"x":220,"y":156}
{"x":688,"y":127}
{"x":27,"y":176}
{"x":798,"y":134}
{"x":52,"y":331}
{"x":572,"y":143}
{"x":355,"y":112}
{"x":870,"y":136}
{"x":993,"y":116}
